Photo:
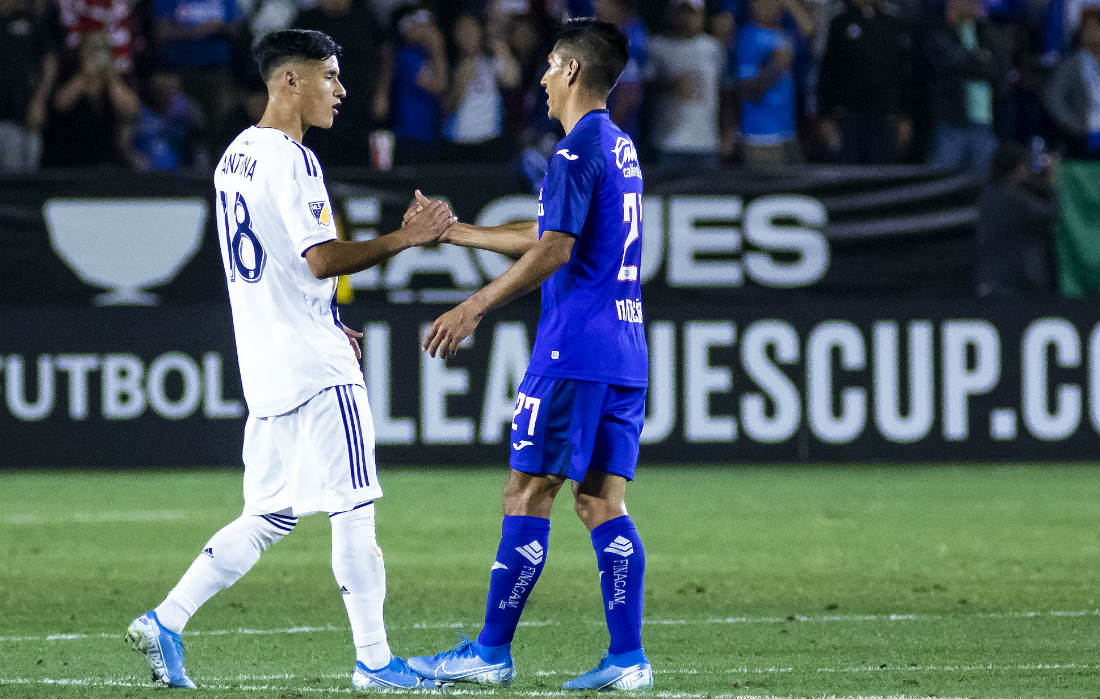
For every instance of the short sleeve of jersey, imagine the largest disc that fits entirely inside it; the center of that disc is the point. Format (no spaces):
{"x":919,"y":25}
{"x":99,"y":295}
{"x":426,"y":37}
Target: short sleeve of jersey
{"x":569,"y":184}
{"x":304,"y":203}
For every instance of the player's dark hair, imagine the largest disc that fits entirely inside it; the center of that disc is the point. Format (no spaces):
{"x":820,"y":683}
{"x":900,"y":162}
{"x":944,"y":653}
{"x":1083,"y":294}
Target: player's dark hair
{"x":276,"y":48}
{"x":600,"y":48}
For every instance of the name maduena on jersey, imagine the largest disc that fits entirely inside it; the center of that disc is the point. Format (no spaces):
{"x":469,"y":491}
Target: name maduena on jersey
{"x":629,"y":310}
{"x":626,"y":157}
{"x":239,"y":164}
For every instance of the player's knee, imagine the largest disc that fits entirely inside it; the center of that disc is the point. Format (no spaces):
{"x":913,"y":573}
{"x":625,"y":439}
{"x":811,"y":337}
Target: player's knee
{"x":357,"y":562}
{"x":272,"y":528}
{"x":531,"y":503}
{"x":584,"y":506}
{"x":527,"y":496}
{"x":594,"y":511}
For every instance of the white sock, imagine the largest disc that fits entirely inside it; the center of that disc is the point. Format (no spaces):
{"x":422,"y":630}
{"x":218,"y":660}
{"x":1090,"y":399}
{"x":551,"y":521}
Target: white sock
{"x":226,"y":557}
{"x":360,"y":572}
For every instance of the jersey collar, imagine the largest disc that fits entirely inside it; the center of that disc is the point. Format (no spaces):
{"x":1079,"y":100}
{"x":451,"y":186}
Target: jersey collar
{"x":594,"y":114}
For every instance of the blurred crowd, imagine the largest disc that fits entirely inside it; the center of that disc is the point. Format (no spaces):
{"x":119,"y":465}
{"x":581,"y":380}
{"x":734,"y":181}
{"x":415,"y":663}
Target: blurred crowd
{"x":164,"y":84}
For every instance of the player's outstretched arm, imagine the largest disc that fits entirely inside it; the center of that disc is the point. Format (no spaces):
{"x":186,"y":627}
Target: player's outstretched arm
{"x":542,"y":260}
{"x":510,"y":239}
{"x":338,"y":257}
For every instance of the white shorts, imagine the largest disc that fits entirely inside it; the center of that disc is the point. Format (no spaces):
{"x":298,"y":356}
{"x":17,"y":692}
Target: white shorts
{"x":318,"y":457}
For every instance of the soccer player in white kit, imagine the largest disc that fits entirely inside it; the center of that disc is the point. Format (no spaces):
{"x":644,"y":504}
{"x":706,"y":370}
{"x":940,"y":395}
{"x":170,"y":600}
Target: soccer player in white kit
{"x":309,"y":439}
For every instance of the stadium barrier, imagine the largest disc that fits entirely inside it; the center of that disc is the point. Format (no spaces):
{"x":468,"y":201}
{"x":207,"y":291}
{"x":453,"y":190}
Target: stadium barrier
{"x":116,"y":347}
{"x":898,"y":230}
{"x":798,"y":380}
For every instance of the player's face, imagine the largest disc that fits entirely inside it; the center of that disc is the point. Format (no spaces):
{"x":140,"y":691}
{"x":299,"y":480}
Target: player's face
{"x":555,"y":81}
{"x":321,"y":92}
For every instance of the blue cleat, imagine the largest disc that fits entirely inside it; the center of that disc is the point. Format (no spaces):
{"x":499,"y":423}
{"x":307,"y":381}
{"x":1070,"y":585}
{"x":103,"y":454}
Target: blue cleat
{"x":616,"y":672}
{"x":162,"y":650}
{"x":396,"y":675}
{"x":463,"y":664}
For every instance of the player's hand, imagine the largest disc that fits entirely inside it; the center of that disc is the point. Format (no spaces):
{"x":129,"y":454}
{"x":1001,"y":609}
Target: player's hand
{"x":419,"y":202}
{"x":424,"y":213}
{"x":353,"y":338}
{"x":449,"y":330}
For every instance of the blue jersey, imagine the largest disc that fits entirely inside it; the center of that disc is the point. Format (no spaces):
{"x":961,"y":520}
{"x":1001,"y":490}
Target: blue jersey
{"x":591,"y":324}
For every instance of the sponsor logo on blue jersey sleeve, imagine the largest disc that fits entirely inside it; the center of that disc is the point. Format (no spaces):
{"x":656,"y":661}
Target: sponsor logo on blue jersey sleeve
{"x":626,"y":157}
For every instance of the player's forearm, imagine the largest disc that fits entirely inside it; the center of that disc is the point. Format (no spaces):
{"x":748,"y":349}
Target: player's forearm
{"x":337,"y":257}
{"x":511,"y":239}
{"x":531,"y":270}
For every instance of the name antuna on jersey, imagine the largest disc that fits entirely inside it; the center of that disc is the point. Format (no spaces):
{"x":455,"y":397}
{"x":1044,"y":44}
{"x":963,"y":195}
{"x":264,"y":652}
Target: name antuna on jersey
{"x":238,"y":164}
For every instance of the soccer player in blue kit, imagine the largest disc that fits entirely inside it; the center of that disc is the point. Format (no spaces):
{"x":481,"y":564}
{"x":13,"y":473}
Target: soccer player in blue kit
{"x":581,"y":405}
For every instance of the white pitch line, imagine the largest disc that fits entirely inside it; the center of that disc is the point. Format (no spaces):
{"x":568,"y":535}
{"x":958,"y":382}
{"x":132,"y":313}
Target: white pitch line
{"x":92,"y":517}
{"x":683,"y":671}
{"x":649,"y":622}
{"x":234,"y":681}
{"x":105,"y":682}
{"x":461,"y":625}
{"x":212,"y":632}
{"x":958,"y":668}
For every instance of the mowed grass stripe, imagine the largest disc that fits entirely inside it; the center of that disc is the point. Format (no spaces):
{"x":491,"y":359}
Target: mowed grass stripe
{"x":832,"y":618}
{"x":978,"y":581}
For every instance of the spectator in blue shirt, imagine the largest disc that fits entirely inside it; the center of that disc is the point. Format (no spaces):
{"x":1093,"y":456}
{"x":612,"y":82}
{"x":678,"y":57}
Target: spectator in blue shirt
{"x":420,"y":77}
{"x":169,"y":127}
{"x":195,"y":38}
{"x":767,"y":87}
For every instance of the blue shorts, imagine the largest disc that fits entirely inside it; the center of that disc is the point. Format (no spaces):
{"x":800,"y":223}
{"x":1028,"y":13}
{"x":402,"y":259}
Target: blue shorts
{"x":566,"y":426}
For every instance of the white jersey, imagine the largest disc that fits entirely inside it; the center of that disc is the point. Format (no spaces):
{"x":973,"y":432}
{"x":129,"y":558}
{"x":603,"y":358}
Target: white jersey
{"x":272,"y":206}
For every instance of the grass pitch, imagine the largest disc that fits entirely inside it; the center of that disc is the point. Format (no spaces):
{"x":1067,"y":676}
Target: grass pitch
{"x":767,"y":582}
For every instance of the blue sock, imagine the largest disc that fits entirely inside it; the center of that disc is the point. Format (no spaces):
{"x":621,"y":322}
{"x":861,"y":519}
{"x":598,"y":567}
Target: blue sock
{"x":621,"y":560}
{"x":522,"y":553}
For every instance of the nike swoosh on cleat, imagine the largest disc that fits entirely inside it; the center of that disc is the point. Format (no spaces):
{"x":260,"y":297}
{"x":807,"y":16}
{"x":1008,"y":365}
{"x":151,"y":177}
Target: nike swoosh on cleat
{"x":634,"y":673}
{"x":460,"y":674}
